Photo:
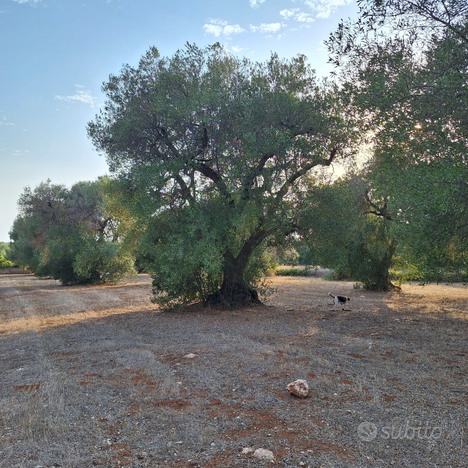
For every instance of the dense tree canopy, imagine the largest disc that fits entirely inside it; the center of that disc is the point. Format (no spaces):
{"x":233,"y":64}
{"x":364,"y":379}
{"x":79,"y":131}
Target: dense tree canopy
{"x":344,"y":229}
{"x":70,"y":234}
{"x":216,"y":148}
{"x":405,"y":66}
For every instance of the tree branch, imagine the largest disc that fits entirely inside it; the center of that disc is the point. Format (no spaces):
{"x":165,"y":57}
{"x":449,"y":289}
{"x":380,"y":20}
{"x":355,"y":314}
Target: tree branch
{"x":378,"y":211}
{"x":255,"y":172}
{"x":448,"y":24}
{"x":301,"y":172}
{"x":253,"y":242}
{"x":211,"y":174}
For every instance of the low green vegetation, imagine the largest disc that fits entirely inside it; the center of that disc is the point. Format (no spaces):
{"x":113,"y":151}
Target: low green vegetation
{"x":292,"y":272}
{"x":4,"y":249}
{"x":4,"y":263}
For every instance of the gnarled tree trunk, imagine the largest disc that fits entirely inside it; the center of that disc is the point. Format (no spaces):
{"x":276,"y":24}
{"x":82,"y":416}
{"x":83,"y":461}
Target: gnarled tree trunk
{"x":235,"y":289}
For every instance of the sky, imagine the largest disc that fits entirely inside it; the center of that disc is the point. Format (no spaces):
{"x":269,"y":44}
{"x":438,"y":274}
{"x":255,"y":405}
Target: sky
{"x":55,"y":55}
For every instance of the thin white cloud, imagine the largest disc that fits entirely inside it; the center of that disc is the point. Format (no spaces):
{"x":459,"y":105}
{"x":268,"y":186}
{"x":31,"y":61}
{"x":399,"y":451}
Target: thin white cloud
{"x":297,"y":15}
{"x":31,"y":2}
{"x":219,"y":27}
{"x":18,"y":152}
{"x":237,"y":49}
{"x":255,"y":3}
{"x":80,"y":96}
{"x":325,"y":8}
{"x":231,"y":29}
{"x":266,"y":28}
{"x":287,"y":14}
{"x":4,"y":122}
{"x":304,"y":18}
{"x":213,"y":29}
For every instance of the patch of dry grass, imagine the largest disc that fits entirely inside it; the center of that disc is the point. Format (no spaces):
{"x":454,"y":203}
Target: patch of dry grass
{"x":95,"y":376}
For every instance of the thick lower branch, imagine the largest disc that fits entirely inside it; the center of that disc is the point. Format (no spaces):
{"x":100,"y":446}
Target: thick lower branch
{"x":211,"y":174}
{"x":186,"y":195}
{"x":255,"y":172}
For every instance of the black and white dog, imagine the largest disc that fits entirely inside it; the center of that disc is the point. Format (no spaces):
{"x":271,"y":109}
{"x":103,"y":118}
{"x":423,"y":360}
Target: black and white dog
{"x":339,"y":300}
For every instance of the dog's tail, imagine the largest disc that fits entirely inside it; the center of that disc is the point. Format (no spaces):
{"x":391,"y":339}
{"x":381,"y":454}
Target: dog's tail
{"x":330,"y":294}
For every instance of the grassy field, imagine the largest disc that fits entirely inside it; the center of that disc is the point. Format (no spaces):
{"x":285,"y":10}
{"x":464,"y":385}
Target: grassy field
{"x":96,"y":376}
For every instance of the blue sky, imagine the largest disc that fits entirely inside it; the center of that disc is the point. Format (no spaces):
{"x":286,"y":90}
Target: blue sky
{"x":55,"y":54}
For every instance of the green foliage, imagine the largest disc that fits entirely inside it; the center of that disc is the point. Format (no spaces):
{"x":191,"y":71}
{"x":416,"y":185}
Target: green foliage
{"x":212,"y":149}
{"x":4,"y":263}
{"x":292,"y":272}
{"x":55,"y":260}
{"x":305,"y":253}
{"x":331,"y":277}
{"x":403,"y":271}
{"x":269,"y":261}
{"x":410,"y":84}
{"x":182,"y":250}
{"x":4,"y":249}
{"x":345,"y":233}
{"x":184,"y":261}
{"x":370,"y":254}
{"x":420,"y":161}
{"x":430,"y":200}
{"x":70,"y":235}
{"x":102,"y":262}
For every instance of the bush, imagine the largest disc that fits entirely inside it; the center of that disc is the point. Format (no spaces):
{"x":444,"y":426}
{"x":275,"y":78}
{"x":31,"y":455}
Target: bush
{"x":4,"y":263}
{"x":102,"y":262}
{"x":183,"y":253}
{"x":292,"y":272}
{"x":371,"y":254}
{"x":184,"y":272}
{"x":83,"y":261}
{"x":4,"y":249}
{"x":56,"y":263}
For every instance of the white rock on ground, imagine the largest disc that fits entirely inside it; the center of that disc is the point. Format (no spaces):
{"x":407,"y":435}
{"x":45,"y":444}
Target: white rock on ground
{"x":264,"y":454}
{"x":299,"y":388}
{"x":190,"y":356}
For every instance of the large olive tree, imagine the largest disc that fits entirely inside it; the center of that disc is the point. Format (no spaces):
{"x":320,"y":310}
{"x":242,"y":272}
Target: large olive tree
{"x":213,"y":149}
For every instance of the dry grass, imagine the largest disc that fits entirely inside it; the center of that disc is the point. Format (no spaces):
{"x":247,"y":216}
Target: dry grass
{"x":95,"y":376}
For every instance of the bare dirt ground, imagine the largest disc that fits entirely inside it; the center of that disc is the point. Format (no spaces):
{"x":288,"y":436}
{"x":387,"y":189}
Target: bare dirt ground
{"x":96,"y":376}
